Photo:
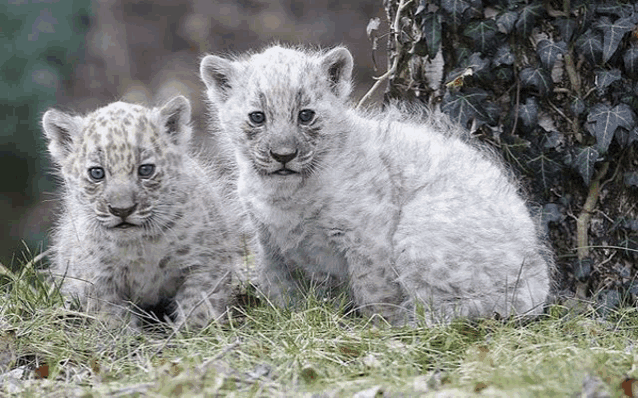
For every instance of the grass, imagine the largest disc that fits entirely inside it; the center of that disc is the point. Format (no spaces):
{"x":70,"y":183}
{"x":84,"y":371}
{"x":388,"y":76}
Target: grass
{"x":316,"y":350}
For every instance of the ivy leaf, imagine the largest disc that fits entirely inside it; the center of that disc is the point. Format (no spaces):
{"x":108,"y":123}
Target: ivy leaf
{"x":537,"y":78}
{"x":590,"y":45}
{"x":527,"y":18}
{"x":455,"y":9}
{"x":577,"y":106}
{"x":505,"y":22}
{"x":602,"y":122}
{"x":431,"y":28}
{"x":630,"y":59}
{"x":553,"y":139}
{"x":462,"y":107}
{"x":566,"y":27}
{"x":604,"y":78}
{"x":548,"y":52}
{"x":552,"y":212}
{"x":528,"y":113}
{"x":631,"y":179}
{"x":480,"y":65}
{"x":505,"y":74}
{"x":610,"y":9}
{"x":492,"y":112}
{"x":482,"y":34}
{"x":546,"y":168}
{"x":504,"y":56}
{"x":584,"y":163}
{"x":475,"y":11}
{"x":625,"y":137}
{"x":422,"y":6}
{"x":613,"y":33}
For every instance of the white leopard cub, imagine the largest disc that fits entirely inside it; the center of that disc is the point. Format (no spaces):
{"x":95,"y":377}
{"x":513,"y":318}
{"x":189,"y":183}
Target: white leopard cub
{"x":141,"y":224}
{"x":405,"y":214}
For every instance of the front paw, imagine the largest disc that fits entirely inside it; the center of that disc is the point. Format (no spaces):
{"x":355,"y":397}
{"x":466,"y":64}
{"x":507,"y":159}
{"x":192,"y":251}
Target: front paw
{"x":197,"y":314}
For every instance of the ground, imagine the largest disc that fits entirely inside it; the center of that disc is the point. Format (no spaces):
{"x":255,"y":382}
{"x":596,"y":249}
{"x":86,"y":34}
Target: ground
{"x":319,"y":350}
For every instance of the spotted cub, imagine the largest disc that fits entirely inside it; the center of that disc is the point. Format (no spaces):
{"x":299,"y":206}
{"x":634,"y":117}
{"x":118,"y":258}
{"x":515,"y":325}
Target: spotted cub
{"x":141,"y":225}
{"x":409,"y":215}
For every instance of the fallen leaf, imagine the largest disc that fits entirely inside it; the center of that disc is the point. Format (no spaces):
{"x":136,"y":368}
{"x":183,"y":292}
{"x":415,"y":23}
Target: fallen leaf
{"x":480,"y":387}
{"x":42,"y":371}
{"x":630,"y":387}
{"x":309,"y":374}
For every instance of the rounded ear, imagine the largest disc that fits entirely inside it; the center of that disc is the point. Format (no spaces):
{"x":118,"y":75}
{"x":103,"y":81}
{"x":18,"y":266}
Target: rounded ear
{"x":175,"y":117}
{"x":217,"y":72}
{"x":338,"y":65}
{"x":59,"y":129}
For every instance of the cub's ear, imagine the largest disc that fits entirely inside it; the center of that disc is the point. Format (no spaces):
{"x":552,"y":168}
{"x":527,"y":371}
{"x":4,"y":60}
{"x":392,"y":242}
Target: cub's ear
{"x":337,"y":63}
{"x":175,"y":117}
{"x":217,"y":73}
{"x":60,"y":129}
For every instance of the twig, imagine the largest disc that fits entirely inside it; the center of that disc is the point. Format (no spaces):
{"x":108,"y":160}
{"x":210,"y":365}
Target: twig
{"x":395,"y":63}
{"x":204,"y":365}
{"x":574,"y":80}
{"x":518,"y":104}
{"x":582,"y":223}
{"x":37,"y":259}
{"x":140,"y":388}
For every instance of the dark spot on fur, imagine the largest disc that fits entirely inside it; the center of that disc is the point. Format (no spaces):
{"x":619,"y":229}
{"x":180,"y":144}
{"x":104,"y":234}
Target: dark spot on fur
{"x":372,"y":289}
{"x":184,"y":250}
{"x":199,"y":238}
{"x":163,"y":262}
{"x":168,"y":225}
{"x":313,"y":132}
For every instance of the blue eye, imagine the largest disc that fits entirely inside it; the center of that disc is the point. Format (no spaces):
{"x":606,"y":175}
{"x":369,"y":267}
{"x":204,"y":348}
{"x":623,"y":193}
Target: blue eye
{"x":96,"y":173}
{"x":306,"y":115}
{"x":146,"y":170}
{"x":257,"y":117}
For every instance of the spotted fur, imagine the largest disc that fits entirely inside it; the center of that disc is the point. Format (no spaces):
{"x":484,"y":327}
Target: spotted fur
{"x":141,"y":223}
{"x":405,"y":214}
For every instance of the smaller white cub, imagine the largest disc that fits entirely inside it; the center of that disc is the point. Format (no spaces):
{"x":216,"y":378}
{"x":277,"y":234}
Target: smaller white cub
{"x":143,"y":224}
{"x":399,"y":212}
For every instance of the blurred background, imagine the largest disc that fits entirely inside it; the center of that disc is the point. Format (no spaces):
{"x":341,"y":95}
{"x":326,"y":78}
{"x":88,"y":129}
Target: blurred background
{"x":78,"y":55}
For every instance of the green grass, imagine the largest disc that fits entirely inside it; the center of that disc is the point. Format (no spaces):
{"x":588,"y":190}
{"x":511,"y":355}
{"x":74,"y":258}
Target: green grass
{"x":315,"y":350}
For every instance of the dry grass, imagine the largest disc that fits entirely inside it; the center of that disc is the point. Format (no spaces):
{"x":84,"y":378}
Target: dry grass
{"x":313,"y":351}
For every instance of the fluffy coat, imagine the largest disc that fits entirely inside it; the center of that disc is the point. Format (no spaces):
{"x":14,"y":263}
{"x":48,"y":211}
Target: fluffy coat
{"x":404,"y":214}
{"x":141,"y":224}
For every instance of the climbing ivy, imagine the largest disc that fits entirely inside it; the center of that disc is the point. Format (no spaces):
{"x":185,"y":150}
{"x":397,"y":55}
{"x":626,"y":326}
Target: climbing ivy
{"x":553,"y":85}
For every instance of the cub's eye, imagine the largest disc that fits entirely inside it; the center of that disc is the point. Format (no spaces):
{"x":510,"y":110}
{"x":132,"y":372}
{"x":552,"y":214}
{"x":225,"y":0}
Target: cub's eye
{"x":306,"y":115}
{"x":146,"y":170}
{"x":96,"y":173}
{"x":257,"y":117}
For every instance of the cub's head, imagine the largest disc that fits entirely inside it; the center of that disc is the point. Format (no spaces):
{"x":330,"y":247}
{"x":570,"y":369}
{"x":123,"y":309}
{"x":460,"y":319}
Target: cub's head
{"x":282,"y":108}
{"x":121,"y":164}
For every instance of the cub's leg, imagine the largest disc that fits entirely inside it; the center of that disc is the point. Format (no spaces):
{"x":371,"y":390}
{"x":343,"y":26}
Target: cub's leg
{"x":276,"y":279}
{"x":470,"y":272}
{"x":374,"y":286}
{"x":202,"y":297}
{"x":103,"y":300}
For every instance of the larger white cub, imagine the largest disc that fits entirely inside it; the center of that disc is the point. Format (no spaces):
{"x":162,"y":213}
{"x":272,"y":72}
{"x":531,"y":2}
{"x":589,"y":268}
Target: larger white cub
{"x":398,"y":211}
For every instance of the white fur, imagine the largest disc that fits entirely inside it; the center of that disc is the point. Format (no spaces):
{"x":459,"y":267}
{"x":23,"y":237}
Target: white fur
{"x":399,"y":210}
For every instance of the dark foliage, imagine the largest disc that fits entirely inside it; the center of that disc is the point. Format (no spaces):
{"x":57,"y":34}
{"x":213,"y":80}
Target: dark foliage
{"x":42,"y":45}
{"x":552,"y":85}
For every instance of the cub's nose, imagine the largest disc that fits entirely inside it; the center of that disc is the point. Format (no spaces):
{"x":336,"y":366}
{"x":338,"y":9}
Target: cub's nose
{"x":122,"y":213}
{"x":283,"y":156}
